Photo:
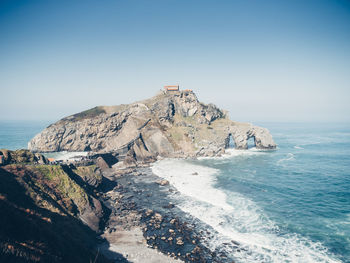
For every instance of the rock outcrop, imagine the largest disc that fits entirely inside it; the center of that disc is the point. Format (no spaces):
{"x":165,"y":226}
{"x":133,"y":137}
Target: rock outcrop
{"x":21,"y":156}
{"x":262,"y":137}
{"x":42,"y":210}
{"x":171,"y":124}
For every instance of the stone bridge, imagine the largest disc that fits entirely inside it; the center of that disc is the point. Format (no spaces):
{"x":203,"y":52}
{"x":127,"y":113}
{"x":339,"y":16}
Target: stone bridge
{"x":242,"y":133}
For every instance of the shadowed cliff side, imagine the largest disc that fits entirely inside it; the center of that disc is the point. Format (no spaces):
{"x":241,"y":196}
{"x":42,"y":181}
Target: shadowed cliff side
{"x":48,"y":216}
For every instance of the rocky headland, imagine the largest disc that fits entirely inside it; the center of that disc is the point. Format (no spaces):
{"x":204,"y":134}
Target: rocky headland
{"x":170,"y":124}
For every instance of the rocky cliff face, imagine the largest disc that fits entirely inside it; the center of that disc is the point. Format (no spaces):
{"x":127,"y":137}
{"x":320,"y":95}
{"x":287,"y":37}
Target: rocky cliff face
{"x":42,"y":210}
{"x":21,"y":156}
{"x":171,"y":124}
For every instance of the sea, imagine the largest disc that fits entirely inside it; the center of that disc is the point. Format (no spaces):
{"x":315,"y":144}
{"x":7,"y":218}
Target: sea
{"x":287,"y":205}
{"x":15,"y":135}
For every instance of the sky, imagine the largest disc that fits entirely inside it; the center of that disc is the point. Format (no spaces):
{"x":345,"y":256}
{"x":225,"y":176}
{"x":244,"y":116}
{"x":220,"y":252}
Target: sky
{"x":261,"y":60}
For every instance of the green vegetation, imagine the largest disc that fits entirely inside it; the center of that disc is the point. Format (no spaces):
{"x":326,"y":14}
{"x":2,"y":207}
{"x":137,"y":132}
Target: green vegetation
{"x":89,"y":113}
{"x":88,"y":171}
{"x":188,"y":120}
{"x":18,"y":156}
{"x":67,"y":188}
{"x":38,"y":218}
{"x":200,"y":132}
{"x":49,"y":171}
{"x":176,"y":134}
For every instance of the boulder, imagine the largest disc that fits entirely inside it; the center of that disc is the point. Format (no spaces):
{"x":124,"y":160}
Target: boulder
{"x":101,"y":163}
{"x":163,"y":182}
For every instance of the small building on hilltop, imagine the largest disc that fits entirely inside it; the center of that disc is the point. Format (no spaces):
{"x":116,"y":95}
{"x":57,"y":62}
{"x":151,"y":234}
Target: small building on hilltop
{"x":51,"y":160}
{"x":172,"y":88}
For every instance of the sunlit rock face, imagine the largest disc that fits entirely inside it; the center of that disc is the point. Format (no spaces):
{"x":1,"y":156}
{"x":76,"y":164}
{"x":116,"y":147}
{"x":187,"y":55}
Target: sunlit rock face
{"x":170,"y":124}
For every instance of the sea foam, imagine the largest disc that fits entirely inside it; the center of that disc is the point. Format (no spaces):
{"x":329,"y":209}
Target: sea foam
{"x":64,"y":155}
{"x":235,"y":217}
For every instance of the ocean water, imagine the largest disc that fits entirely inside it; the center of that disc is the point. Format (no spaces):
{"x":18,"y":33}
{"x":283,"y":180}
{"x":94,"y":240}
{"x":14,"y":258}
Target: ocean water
{"x":288,"y":205}
{"x":16,"y":134}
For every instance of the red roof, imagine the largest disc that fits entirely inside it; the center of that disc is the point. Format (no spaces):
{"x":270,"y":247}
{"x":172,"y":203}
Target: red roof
{"x":172,"y":87}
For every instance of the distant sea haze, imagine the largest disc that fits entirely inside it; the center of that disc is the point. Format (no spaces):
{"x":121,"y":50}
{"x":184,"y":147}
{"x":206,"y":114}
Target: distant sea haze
{"x":288,"y":205}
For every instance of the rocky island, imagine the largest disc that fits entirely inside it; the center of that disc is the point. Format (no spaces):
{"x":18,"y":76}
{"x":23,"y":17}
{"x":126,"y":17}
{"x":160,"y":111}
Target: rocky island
{"x":112,"y":208}
{"x":170,"y":124}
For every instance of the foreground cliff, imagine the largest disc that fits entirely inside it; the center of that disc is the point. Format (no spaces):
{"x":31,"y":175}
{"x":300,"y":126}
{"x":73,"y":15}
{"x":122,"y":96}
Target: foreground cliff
{"x":171,"y":124}
{"x":48,"y":212}
{"x":53,"y":213}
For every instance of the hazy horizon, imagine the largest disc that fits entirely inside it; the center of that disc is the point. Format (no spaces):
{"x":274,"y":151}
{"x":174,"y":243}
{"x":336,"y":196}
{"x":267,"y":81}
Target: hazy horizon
{"x":263,"y":61}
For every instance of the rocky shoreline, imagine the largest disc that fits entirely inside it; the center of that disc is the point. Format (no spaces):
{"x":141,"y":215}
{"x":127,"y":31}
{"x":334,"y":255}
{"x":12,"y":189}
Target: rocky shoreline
{"x":140,"y":202}
{"x":123,"y":214}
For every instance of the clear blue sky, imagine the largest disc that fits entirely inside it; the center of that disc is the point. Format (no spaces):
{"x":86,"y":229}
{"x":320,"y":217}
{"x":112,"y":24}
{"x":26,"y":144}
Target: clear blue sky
{"x":261,"y":60}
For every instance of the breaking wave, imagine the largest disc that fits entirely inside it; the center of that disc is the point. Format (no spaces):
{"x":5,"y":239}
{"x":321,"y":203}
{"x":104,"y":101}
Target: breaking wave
{"x":64,"y":155}
{"x":235,"y":217}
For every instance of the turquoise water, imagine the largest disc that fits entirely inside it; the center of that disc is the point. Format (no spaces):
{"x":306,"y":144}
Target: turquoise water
{"x":16,"y":134}
{"x":302,"y":189}
{"x":288,"y":205}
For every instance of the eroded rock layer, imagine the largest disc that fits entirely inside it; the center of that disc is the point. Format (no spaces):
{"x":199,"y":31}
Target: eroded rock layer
{"x":170,"y":124}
